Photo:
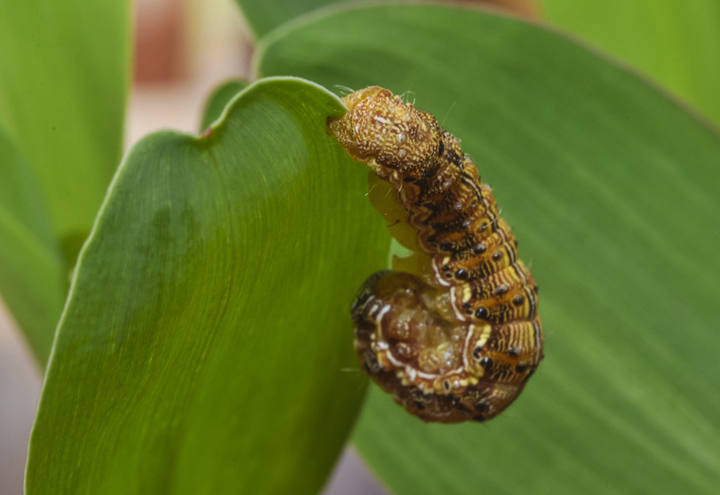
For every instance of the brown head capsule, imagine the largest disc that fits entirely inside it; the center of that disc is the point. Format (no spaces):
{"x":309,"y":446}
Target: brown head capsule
{"x":452,"y":332}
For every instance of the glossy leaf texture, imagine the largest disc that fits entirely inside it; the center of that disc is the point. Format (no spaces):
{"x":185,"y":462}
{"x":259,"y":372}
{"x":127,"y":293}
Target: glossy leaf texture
{"x":32,"y":279}
{"x":611,"y":189}
{"x":218,"y":100}
{"x":63,"y":85}
{"x":206,"y":346}
{"x":675,"y":43}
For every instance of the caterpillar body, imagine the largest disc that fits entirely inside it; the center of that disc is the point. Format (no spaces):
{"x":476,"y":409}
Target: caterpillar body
{"x":452,"y":331}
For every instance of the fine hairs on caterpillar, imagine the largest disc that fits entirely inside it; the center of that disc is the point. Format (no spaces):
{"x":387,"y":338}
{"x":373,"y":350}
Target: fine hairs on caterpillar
{"x":452,"y":332}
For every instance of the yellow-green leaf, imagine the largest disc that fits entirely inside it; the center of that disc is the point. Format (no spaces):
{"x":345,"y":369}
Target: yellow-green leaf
{"x":675,"y":43}
{"x":33,"y":281}
{"x":63,"y":83}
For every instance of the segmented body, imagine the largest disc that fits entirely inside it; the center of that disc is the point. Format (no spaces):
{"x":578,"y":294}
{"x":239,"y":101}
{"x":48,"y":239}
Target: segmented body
{"x":452,"y":332}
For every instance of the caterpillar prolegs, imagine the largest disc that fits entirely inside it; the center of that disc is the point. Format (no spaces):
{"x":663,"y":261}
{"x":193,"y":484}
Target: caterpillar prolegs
{"x":452,"y":332}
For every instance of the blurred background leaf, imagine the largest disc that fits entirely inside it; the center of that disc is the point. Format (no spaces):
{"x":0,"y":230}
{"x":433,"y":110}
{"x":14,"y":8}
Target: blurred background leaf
{"x":674,"y":43}
{"x":263,"y":16}
{"x":218,"y":99}
{"x":32,"y":279}
{"x":207,"y":337}
{"x":73,"y":58}
{"x":63,"y":85}
{"x":611,"y":189}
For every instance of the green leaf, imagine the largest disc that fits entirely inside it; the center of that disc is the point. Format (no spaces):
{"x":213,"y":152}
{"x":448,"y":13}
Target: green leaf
{"x":206,"y":344}
{"x":676,"y":43}
{"x":611,"y":189}
{"x":32,"y":279}
{"x":219,"y":99}
{"x":265,"y":15}
{"x":63,"y":83}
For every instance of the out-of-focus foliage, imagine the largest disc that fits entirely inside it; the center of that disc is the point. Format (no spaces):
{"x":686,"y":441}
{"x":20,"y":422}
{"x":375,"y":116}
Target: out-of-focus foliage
{"x":62,"y":97}
{"x":675,"y":43}
{"x":31,"y":269}
{"x":63,"y":86}
{"x":264,"y":16}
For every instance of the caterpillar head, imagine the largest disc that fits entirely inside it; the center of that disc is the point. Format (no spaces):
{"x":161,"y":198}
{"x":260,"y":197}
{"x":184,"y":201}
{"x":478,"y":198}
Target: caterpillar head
{"x":387,"y":133}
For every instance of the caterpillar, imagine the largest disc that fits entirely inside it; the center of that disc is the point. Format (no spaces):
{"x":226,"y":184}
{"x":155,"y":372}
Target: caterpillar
{"x":452,"y":332}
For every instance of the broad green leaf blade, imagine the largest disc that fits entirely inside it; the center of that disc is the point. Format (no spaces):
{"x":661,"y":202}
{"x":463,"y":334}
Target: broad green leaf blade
{"x":32,"y":282}
{"x":63,"y":82}
{"x":611,"y":189}
{"x":674,"y":42}
{"x":265,"y":15}
{"x":206,"y":339}
{"x":219,"y":99}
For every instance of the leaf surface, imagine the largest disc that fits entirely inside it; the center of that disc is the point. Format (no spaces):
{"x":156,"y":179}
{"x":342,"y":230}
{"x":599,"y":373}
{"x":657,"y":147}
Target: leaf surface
{"x":206,"y":344}
{"x":265,"y":15}
{"x":611,"y":189}
{"x":32,"y":278}
{"x":218,"y":100}
{"x":63,"y":85}
{"x":675,"y":43}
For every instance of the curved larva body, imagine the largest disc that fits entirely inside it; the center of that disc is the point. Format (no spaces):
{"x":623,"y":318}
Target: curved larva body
{"x":454,"y":333}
